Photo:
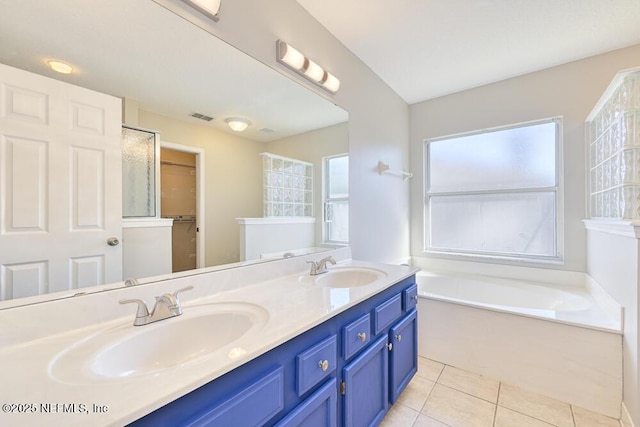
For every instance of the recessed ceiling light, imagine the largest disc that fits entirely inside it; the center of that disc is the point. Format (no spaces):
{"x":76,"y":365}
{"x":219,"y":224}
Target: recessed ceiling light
{"x":60,"y":67}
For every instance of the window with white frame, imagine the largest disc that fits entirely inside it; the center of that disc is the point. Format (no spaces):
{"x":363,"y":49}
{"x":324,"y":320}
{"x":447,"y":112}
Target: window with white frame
{"x":495,"y":193}
{"x":336,"y":199}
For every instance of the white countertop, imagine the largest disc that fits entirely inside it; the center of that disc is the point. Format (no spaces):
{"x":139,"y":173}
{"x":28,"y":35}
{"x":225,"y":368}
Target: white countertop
{"x":293,"y":306}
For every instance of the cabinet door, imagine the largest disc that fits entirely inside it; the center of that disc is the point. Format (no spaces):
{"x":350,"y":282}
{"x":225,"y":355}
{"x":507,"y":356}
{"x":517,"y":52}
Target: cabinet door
{"x":366,"y":385}
{"x":403,"y":362}
{"x":318,"y":410}
{"x":253,"y":406}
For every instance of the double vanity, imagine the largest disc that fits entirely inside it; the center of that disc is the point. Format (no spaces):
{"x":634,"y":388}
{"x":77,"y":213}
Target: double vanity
{"x":265,"y":344}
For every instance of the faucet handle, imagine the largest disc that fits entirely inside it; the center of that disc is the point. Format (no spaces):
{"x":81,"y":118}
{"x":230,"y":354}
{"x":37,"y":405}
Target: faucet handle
{"x":142,"y":312}
{"x":179,"y":291}
{"x":314,"y":267}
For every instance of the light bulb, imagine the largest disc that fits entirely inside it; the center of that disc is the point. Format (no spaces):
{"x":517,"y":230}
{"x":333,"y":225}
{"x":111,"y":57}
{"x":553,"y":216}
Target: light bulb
{"x":332,"y":83}
{"x":314,"y":71}
{"x":291,"y":56}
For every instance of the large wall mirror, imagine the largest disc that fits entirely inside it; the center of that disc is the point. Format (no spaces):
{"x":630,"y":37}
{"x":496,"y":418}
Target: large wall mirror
{"x":162,"y":69}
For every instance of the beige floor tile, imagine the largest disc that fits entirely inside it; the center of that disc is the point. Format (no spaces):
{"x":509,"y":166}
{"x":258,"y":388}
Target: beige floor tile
{"x":429,"y":369}
{"x":508,"y":418}
{"x":585,"y":418}
{"x":458,"y":409}
{"x":399,"y":416}
{"x":425,"y":421}
{"x":470,"y":383}
{"x":416,"y":393}
{"x":535,"y":405}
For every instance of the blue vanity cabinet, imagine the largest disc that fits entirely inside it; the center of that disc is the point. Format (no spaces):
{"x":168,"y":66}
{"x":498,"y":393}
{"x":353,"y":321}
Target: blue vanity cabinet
{"x":299,"y":382}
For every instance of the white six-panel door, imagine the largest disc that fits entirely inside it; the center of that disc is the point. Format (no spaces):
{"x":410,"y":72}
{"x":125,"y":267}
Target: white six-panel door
{"x":60,"y":185}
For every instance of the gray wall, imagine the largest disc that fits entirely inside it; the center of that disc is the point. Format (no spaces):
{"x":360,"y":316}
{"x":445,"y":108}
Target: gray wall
{"x":378,"y":117}
{"x":569,"y":90}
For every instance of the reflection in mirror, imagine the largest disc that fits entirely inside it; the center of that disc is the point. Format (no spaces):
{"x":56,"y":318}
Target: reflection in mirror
{"x":155,"y":70}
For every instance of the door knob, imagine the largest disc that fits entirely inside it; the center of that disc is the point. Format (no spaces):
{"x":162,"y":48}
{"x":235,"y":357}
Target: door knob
{"x":113,"y":241}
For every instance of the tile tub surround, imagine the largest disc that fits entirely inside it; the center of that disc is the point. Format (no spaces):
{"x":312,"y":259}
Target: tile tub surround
{"x":292,"y":307}
{"x":480,"y":401}
{"x":578,"y":365}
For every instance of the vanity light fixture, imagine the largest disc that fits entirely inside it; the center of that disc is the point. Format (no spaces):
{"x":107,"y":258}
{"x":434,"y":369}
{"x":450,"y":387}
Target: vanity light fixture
{"x":293,"y":59}
{"x":207,"y":7}
{"x":237,"y":124}
{"x":60,"y":67}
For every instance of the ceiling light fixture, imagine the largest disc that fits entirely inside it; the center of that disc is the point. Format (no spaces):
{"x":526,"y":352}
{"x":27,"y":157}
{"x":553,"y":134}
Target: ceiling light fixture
{"x":207,"y":7}
{"x":237,"y":124}
{"x":295,"y":60}
{"x":60,"y":67}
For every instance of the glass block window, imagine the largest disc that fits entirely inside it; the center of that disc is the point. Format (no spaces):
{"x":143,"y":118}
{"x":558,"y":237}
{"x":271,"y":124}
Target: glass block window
{"x":139,"y":173}
{"x":288,"y":186}
{"x":494,"y":192}
{"x":613,"y":136}
{"x":336,"y":199}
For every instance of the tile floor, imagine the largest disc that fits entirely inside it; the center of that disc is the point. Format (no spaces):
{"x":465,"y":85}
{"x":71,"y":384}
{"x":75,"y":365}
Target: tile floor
{"x":443,"y":396}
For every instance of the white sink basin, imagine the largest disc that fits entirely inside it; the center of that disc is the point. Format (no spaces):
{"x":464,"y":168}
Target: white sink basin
{"x":126,"y":351}
{"x":349,"y":277}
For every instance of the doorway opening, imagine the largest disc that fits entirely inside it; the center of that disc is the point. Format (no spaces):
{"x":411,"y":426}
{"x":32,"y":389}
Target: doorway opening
{"x":181,"y":192}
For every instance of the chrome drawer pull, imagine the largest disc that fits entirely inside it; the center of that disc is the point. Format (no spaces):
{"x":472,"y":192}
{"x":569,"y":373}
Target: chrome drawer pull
{"x":415,"y":297}
{"x":362,"y":336}
{"x":398,"y":337}
{"x":323,"y":364}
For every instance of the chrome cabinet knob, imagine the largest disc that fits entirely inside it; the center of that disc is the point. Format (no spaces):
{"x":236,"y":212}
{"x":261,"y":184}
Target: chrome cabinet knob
{"x":113,"y":241}
{"x":323,"y":364}
{"x":362,"y":336}
{"x":398,"y":337}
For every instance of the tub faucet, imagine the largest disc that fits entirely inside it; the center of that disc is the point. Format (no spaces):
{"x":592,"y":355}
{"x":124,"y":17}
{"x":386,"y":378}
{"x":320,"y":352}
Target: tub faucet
{"x":320,"y":266}
{"x":167,"y":305}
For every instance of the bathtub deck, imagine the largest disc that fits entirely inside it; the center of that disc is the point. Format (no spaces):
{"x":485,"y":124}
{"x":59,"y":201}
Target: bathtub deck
{"x":441,"y":395}
{"x":598,"y":311}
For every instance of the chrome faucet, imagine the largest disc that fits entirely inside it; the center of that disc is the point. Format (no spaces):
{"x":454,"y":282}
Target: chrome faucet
{"x":320,"y":266}
{"x":167,"y":305}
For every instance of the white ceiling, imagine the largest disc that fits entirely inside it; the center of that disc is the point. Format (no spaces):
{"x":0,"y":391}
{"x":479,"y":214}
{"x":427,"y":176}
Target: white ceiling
{"x":428,"y":48}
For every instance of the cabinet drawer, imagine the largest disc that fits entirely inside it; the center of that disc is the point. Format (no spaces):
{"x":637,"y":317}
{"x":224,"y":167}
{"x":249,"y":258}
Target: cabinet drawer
{"x":410,"y":297}
{"x":386,"y":313}
{"x":315,"y":364}
{"x":356,"y":335}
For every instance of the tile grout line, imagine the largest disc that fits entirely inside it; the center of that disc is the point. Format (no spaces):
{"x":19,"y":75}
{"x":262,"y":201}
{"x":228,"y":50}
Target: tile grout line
{"x":468,"y":394}
{"x":495,"y":412}
{"x":428,"y":396}
{"x":530,"y":416}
